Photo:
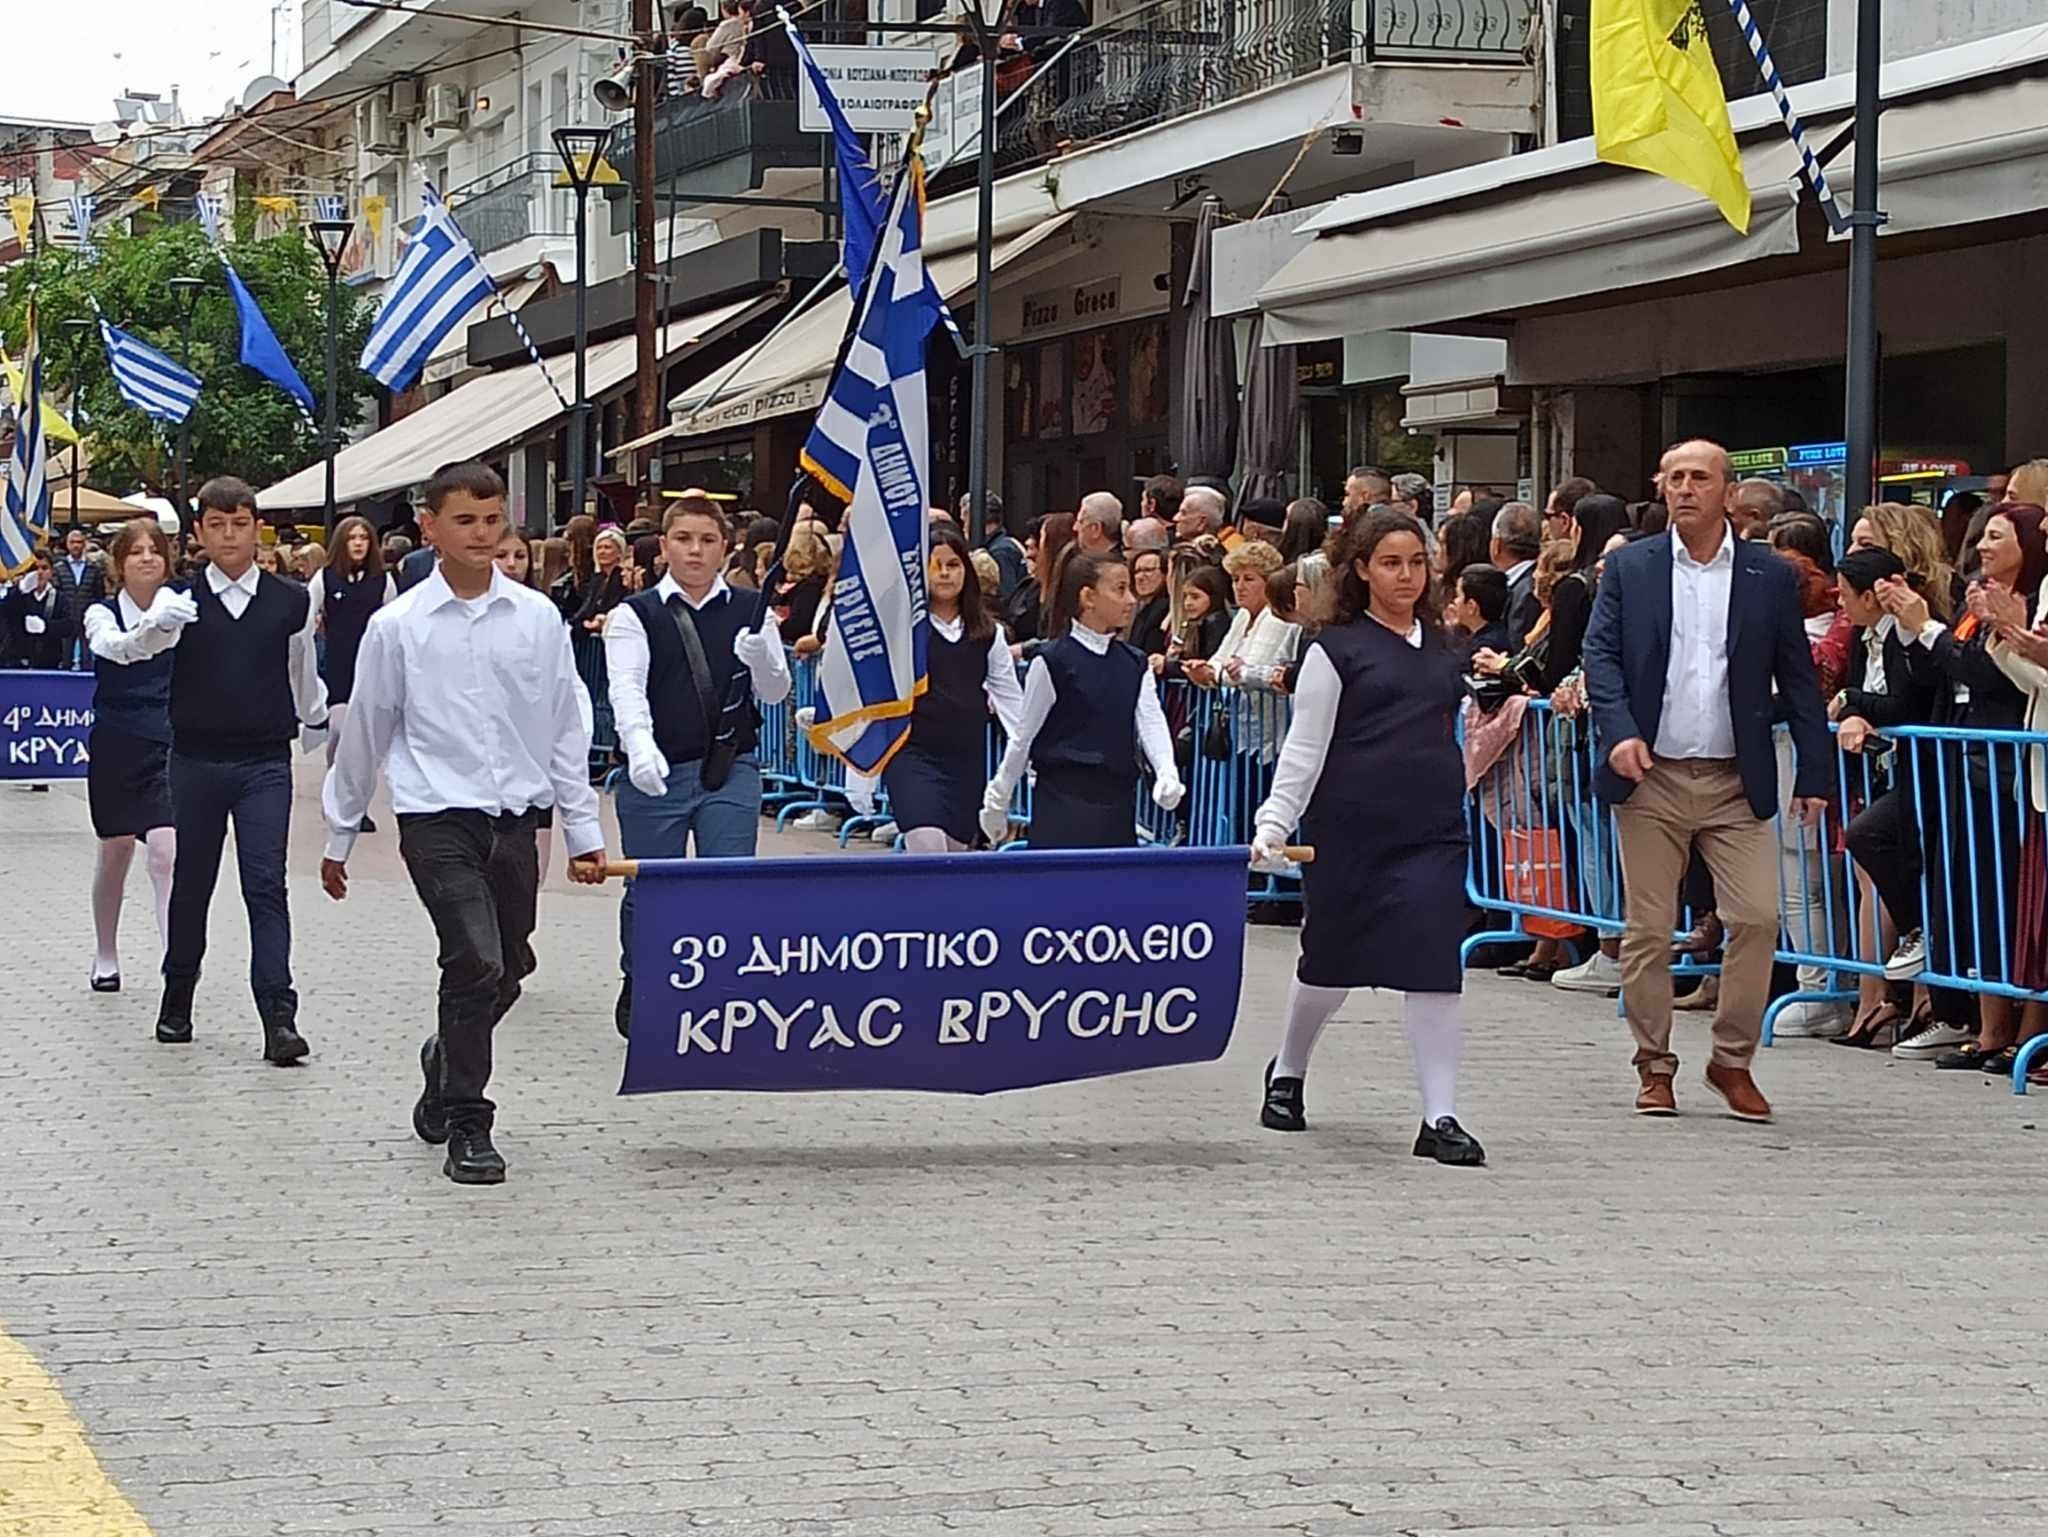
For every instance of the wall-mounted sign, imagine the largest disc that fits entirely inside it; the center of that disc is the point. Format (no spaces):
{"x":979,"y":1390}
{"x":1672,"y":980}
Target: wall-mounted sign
{"x":879,"y":89}
{"x":1084,"y":304}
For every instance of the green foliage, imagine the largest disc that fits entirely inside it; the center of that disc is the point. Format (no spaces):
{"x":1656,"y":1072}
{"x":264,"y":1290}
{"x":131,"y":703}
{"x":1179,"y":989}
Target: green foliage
{"x":243,"y":425}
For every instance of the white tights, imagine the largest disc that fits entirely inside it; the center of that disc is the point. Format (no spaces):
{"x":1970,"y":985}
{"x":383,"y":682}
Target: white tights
{"x":1436,"y":1039}
{"x":930,"y":840}
{"x":110,"y":880}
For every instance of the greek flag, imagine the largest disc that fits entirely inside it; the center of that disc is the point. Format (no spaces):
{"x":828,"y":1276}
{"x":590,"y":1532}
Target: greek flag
{"x":438,"y":283}
{"x":148,"y":380}
{"x":870,"y":447}
{"x":330,"y":205}
{"x":83,"y":207}
{"x":25,"y":516}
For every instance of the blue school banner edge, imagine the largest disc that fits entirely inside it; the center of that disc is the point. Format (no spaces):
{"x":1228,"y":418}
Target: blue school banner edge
{"x":45,"y":719}
{"x":957,"y":974}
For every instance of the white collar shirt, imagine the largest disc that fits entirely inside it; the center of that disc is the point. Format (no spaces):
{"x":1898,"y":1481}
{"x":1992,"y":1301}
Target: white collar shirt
{"x":235,"y":593}
{"x":1696,"y":720}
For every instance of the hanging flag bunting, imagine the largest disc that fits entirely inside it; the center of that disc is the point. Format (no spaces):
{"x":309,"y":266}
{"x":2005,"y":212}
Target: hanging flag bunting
{"x":1658,"y":103}
{"x":374,"y":208}
{"x":55,"y":428}
{"x":261,"y":349}
{"x":25,"y":513}
{"x":282,"y":207}
{"x":83,"y":206}
{"x":211,"y":207}
{"x":149,"y":197}
{"x":330,"y":205}
{"x":870,"y":446}
{"x":22,"y":210}
{"x":147,"y":379}
{"x":436,"y":285}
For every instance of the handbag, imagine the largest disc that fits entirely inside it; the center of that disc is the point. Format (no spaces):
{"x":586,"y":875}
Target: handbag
{"x":723,"y":750}
{"x":1216,"y":741}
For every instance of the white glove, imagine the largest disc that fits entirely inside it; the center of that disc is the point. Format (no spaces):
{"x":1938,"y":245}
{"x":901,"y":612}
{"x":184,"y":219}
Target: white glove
{"x":646,"y":767}
{"x":171,"y":611}
{"x":1167,"y":793}
{"x":995,"y":811}
{"x":751,"y":648}
{"x":1269,"y":846}
{"x":807,"y":717}
{"x":313,"y":739}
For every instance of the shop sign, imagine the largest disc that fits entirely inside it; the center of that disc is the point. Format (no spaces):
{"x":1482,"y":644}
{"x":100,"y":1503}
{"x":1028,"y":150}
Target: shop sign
{"x":879,"y":89}
{"x":1090,"y":304}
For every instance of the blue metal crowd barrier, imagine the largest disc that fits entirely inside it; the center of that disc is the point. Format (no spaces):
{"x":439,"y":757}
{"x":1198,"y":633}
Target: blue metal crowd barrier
{"x":588,"y":649}
{"x":1544,"y":847}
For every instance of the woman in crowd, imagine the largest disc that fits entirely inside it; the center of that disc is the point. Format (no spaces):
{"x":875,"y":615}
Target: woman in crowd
{"x":1977,"y":840}
{"x":515,"y":558}
{"x":1148,"y":584}
{"x":1032,"y":606}
{"x":1306,"y":529}
{"x":1384,"y":899}
{"x":1258,"y":642}
{"x":271,"y":559}
{"x":128,"y":780}
{"x":580,"y":537}
{"x":1089,"y":710}
{"x":345,"y":593}
{"x":936,"y":779}
{"x":806,"y":567}
{"x":1462,"y":541}
{"x":606,"y":589}
{"x":1912,"y":534}
{"x":2023,"y":654}
{"x":308,"y":561}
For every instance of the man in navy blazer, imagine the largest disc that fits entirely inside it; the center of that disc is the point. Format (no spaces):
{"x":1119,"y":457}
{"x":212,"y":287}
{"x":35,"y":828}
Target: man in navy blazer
{"x":1695,"y":650}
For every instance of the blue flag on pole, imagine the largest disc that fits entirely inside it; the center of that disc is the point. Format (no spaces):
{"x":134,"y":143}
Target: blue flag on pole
{"x":261,"y":349}
{"x":862,"y":206}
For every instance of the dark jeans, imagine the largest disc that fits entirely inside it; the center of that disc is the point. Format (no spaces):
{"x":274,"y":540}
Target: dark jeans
{"x":723,"y":824}
{"x":258,"y":796}
{"x":478,"y":876}
{"x":1884,"y":838}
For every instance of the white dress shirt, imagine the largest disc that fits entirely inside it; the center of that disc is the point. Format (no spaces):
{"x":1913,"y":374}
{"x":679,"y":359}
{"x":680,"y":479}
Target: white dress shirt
{"x":626,"y":660}
{"x":1260,"y":642}
{"x":1874,"y":679}
{"x":467,"y":704}
{"x":1317,"y":692}
{"x":309,"y":693}
{"x":104,"y":637}
{"x":1154,"y":740}
{"x":1696,"y":722}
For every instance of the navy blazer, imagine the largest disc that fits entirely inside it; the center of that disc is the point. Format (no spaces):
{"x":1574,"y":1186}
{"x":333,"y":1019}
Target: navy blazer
{"x":1628,"y":651}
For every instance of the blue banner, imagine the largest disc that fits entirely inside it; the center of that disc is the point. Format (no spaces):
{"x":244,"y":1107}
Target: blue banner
{"x":962,"y":974}
{"x":44,"y":720}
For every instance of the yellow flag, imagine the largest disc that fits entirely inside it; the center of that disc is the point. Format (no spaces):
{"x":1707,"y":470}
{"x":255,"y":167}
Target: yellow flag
{"x":149,"y":197}
{"x":373,"y":214}
{"x":23,"y":211}
{"x":1658,"y":103}
{"x":55,"y":428}
{"x":283,"y":207}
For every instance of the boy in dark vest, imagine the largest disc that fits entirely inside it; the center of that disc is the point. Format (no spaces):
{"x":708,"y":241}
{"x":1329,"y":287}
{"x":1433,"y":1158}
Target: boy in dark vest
{"x":244,"y":680}
{"x":659,"y":694}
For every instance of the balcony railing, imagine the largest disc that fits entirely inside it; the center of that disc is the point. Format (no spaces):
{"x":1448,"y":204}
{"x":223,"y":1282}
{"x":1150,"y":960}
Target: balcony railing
{"x":1449,"y":31}
{"x":512,"y":204}
{"x":753,"y":117}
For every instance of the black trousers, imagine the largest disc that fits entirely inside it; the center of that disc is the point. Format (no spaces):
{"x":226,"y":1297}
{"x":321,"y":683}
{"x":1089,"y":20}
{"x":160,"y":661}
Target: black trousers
{"x":1884,"y":838}
{"x":478,"y":877}
{"x":258,"y":796}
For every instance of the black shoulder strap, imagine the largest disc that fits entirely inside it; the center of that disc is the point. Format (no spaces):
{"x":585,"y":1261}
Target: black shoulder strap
{"x":700,"y":665}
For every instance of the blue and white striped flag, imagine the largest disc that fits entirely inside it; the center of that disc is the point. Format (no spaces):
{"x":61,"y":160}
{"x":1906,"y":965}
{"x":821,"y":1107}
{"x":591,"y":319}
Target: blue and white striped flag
{"x":25,"y":513}
{"x":212,"y":206}
{"x":330,"y":205}
{"x":870,"y":447}
{"x":83,"y":207}
{"x":440,"y":281}
{"x":148,"y":380}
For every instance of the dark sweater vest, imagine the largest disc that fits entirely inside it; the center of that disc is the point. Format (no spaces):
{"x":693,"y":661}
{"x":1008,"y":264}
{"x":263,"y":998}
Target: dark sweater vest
{"x":133,"y":699}
{"x":231,"y":687}
{"x":680,"y":730}
{"x":349,"y":605}
{"x":951,"y":717}
{"x":1094,"y":719}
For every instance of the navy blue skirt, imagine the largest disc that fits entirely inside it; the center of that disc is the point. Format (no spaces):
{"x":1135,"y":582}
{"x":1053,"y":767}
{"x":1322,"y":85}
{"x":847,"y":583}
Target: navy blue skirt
{"x":931,"y":790}
{"x":1080,"y":808}
{"x":127,"y":783}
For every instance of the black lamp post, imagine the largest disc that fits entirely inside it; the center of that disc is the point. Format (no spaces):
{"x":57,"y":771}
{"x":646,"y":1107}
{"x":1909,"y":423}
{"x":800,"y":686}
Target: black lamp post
{"x":186,"y":292}
{"x":330,"y":238}
{"x":581,"y":149}
{"x":78,"y":326}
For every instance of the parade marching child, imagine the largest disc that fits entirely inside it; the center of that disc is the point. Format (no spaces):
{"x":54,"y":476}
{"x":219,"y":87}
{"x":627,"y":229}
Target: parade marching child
{"x":1371,"y":772}
{"x":128,"y":780}
{"x":1090,"y":707}
{"x":244,"y":679}
{"x":936,"y":777}
{"x":467,"y":698}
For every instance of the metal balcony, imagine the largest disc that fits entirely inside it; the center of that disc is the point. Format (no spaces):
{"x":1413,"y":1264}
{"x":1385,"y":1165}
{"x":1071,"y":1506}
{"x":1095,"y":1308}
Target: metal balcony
{"x":724,"y":145}
{"x":512,"y":204}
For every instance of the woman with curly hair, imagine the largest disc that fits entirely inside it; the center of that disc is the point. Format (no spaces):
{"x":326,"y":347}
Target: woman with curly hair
{"x":1912,"y":534}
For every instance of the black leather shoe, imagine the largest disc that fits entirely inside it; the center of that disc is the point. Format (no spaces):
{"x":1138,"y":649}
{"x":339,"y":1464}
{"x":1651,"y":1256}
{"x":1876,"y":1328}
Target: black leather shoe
{"x":622,"y":1011}
{"x":282,"y":1044}
{"x":107,"y":984}
{"x":430,"y":1116}
{"x":1282,"y":1109}
{"x":471,"y":1158}
{"x":1448,"y":1142}
{"x":174,"y":1014}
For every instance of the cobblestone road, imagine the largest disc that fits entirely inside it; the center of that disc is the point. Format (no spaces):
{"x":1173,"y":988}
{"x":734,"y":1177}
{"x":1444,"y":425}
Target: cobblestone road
{"x":1101,"y":1309}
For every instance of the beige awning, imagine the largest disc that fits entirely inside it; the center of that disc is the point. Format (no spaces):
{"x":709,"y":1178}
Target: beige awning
{"x":477,"y":419}
{"x":1562,"y":237}
{"x":1962,"y":159}
{"x":789,"y":373}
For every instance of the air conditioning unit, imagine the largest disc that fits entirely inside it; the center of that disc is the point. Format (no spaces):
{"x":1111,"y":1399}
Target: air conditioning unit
{"x":376,"y":130}
{"x":444,"y":106}
{"x":405,"y":100}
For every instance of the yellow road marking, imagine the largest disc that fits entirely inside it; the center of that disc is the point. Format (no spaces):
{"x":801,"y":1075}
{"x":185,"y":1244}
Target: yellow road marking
{"x":51,"y":1484}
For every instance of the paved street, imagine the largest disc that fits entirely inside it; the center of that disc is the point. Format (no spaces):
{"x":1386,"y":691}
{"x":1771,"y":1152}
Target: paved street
{"x":1110,"y":1308}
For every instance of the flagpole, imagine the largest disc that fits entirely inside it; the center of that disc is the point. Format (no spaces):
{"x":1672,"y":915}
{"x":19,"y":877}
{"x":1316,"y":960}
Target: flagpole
{"x":1860,"y":403}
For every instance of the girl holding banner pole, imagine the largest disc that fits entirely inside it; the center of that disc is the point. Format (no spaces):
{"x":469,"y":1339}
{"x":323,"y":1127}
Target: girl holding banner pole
{"x":1371,"y":772}
{"x":1090,"y":707}
{"x":934,"y":779}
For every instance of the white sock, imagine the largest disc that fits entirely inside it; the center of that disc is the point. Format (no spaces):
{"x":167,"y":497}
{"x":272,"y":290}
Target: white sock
{"x":1308,"y":1010}
{"x":1436,"y":1037}
{"x":929,"y":840}
{"x":160,"y":848}
{"x":109,"y":880}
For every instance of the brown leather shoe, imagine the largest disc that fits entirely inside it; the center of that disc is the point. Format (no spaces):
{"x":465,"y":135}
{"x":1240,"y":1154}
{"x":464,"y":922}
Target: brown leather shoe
{"x":1746,"y":1101}
{"x":1655,"y":1096}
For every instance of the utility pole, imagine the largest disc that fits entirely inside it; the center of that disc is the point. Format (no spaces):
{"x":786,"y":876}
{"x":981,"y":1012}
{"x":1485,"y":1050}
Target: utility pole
{"x":1860,"y":406}
{"x":647,"y":317}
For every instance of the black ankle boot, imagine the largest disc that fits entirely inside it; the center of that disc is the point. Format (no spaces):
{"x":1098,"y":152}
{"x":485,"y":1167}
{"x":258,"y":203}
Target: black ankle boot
{"x":1282,"y":1110}
{"x":472,"y":1160}
{"x":430,"y":1116}
{"x":282,"y":1043}
{"x":174,"y":1014}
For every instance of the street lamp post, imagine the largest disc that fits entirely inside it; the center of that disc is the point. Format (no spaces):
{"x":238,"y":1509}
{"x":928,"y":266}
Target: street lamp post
{"x":330,"y":239}
{"x":581,"y":149}
{"x":78,"y":326}
{"x":983,"y":16}
{"x":186,"y":292}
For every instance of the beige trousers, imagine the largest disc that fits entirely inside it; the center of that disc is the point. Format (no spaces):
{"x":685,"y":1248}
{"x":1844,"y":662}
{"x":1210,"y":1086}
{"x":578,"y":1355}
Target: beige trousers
{"x":1679,"y":803}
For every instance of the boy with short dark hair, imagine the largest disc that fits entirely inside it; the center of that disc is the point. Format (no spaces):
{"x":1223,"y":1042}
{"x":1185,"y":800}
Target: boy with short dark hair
{"x":466,"y":695}
{"x":244,"y":679}
{"x":1481,"y":608}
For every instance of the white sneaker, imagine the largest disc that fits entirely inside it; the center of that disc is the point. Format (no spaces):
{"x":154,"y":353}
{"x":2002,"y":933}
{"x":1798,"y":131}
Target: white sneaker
{"x":818,"y":821}
{"x":1598,"y":973}
{"x":1930,"y":1041}
{"x":1909,"y":960}
{"x":886,"y":833}
{"x":1811,"y":1019}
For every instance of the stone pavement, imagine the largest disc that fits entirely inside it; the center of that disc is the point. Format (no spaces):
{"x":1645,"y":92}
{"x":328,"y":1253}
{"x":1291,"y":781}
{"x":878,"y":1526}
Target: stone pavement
{"x":1107,"y":1308}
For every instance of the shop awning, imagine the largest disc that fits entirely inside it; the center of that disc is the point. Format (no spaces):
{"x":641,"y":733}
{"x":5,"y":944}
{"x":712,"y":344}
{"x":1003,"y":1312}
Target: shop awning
{"x":477,"y":419}
{"x":789,"y":374}
{"x":1959,"y":159}
{"x":452,"y":356}
{"x":1581,"y":232}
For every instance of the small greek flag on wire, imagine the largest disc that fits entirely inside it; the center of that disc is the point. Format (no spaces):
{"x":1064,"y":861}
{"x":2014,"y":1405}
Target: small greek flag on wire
{"x":439,"y":282}
{"x":211,"y":206}
{"x":148,"y":380}
{"x":25,"y":513}
{"x":83,"y":206}
{"x":870,"y":447}
{"x":330,"y":205}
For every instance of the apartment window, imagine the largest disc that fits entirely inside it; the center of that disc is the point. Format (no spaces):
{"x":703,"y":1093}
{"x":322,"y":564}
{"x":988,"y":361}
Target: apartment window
{"x":536,"y":120}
